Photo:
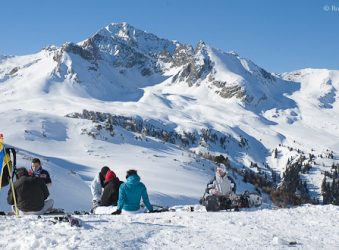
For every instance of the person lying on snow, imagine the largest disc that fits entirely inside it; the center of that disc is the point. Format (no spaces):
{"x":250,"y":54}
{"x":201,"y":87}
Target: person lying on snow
{"x":130,"y":194}
{"x":97,"y":185}
{"x":31,"y":193}
{"x":111,"y":189}
{"x":37,"y":171}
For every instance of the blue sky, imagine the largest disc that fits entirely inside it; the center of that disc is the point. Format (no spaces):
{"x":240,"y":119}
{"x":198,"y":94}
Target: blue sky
{"x":277,"y":35}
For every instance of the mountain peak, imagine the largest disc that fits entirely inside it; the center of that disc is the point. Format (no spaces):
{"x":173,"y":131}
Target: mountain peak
{"x":122,"y":30}
{"x":126,"y":32}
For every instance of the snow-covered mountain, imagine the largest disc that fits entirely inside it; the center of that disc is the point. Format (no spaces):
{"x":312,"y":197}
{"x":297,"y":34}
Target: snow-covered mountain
{"x":164,"y":108}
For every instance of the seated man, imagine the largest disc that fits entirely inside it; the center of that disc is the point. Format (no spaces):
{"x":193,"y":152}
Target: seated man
{"x":221,"y":184}
{"x":220,"y":191}
{"x":37,"y":171}
{"x":97,"y":185}
{"x":130,"y":194}
{"x":31,"y":194}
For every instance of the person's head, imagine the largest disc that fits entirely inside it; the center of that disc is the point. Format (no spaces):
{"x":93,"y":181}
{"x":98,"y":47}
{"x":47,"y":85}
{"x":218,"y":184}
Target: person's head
{"x":102,"y":174}
{"x":104,"y":171}
{"x":21,"y":172}
{"x":221,"y":170}
{"x":130,"y":173}
{"x":110,"y":175}
{"x":36,"y":164}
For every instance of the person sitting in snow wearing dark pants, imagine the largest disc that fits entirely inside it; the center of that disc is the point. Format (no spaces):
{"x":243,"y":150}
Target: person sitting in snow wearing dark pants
{"x":220,"y":191}
{"x":31,"y":193}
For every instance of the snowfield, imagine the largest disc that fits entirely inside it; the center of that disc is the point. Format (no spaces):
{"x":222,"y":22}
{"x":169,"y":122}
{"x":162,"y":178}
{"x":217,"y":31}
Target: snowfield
{"x":210,"y":101}
{"x":306,"y":227}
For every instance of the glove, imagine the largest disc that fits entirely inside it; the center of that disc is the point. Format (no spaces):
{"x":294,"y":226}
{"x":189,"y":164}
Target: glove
{"x":117,"y":212}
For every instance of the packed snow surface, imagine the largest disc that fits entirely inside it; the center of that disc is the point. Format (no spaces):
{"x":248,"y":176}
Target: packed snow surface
{"x":307,"y":227}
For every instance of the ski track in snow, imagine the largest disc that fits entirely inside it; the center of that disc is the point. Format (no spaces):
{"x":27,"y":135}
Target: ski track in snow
{"x":307,"y":227}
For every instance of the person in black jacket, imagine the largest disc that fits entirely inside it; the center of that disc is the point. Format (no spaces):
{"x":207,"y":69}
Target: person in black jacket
{"x":38,"y":171}
{"x":31,"y":194}
{"x":110,"y":195}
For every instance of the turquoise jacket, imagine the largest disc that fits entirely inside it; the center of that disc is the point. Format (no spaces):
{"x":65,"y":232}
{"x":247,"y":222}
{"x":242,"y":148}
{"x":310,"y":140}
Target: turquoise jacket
{"x":130,"y":194}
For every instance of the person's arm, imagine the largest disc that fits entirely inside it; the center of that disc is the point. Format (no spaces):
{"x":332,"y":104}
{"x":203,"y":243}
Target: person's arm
{"x":122,"y":197}
{"x":48,"y":179}
{"x":44,"y":189}
{"x":210,"y":186}
{"x":233,"y":184}
{"x":121,"y":201}
{"x":10,"y":199}
{"x":115,"y":194}
{"x":106,"y":198}
{"x":145,"y":199}
{"x":96,"y":188}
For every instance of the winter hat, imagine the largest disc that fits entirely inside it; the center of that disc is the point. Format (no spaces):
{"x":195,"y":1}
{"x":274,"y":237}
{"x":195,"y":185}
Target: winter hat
{"x":110,"y":175}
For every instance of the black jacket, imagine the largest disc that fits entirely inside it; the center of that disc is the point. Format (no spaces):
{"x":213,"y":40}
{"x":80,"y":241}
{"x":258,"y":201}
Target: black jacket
{"x":110,"y":195}
{"x":43,"y":175}
{"x":30,"y":193}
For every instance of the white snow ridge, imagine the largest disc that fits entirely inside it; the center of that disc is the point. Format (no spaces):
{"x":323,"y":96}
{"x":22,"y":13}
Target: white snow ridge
{"x":128,"y":99}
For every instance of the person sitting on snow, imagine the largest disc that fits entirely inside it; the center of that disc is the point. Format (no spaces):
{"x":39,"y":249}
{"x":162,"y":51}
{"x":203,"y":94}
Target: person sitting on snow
{"x":110,"y":194}
{"x":31,"y":193}
{"x":38,"y":171}
{"x":220,"y":191}
{"x":221,"y":184}
{"x":130,"y":194}
{"x":97,"y":185}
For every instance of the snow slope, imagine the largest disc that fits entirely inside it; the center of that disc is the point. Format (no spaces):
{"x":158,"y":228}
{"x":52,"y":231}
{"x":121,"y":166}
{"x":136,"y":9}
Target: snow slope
{"x":306,"y":227}
{"x":173,"y":176}
{"x":124,"y":71}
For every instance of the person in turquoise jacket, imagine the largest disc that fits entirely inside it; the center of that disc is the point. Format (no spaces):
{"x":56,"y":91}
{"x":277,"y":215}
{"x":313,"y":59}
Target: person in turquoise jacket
{"x":130,"y":194}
